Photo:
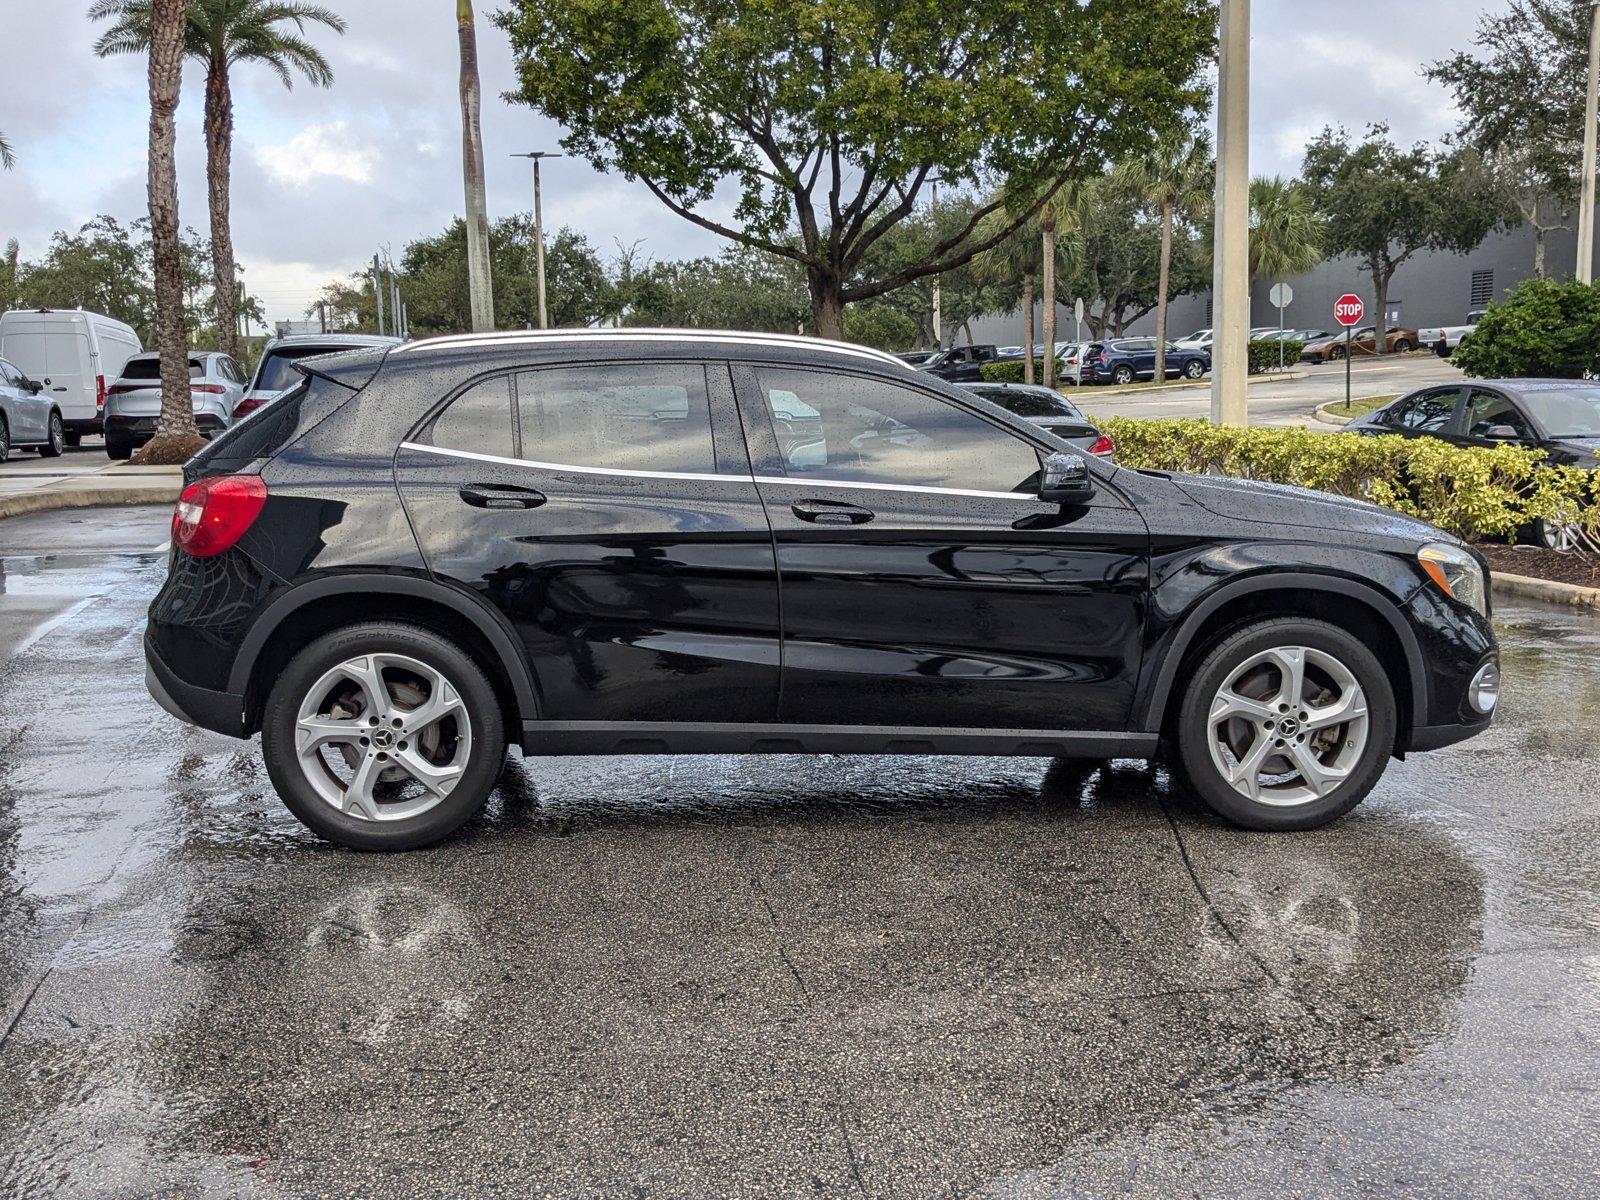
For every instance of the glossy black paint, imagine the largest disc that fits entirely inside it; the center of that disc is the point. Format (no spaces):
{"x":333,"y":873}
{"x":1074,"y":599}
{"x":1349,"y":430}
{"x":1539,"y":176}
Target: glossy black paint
{"x":622,"y":605}
{"x":1562,"y":451}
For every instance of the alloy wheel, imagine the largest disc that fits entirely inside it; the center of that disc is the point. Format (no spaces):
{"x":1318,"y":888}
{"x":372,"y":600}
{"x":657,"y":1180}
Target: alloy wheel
{"x":383,"y":737}
{"x":1288,"y":726}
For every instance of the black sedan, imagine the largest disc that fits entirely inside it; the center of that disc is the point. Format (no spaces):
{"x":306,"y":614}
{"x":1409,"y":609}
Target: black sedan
{"x":1558,"y":416}
{"x":1048,"y":409}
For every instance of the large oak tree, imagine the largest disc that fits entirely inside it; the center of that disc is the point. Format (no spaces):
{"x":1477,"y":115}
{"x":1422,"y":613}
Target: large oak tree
{"x":811,"y":128}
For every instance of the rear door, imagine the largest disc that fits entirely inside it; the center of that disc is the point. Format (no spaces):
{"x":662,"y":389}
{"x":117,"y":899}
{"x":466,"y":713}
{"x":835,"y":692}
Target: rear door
{"x":608,"y":510}
{"x":924,"y":583}
{"x":26,"y":414}
{"x":1429,"y":413}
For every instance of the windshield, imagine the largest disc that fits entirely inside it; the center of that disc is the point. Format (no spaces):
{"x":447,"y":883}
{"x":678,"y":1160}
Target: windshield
{"x":1029,"y":403}
{"x":277,"y":368}
{"x":1566,"y":412}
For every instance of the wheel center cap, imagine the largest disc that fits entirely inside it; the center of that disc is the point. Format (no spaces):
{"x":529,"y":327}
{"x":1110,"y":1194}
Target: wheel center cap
{"x":383,"y":739}
{"x":1288,"y":727}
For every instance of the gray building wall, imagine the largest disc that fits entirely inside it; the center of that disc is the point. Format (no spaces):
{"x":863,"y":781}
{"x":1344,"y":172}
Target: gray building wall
{"x":1428,"y":289}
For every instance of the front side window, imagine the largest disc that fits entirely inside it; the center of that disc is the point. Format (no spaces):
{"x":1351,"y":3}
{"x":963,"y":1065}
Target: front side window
{"x":9,"y":375}
{"x":1427,"y":413}
{"x":479,"y":421}
{"x":1486,"y":409}
{"x":869,"y":431}
{"x":619,"y":416}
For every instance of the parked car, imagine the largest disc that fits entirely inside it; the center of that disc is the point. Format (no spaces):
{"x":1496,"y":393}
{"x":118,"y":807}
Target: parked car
{"x":1123,"y":360}
{"x":1050,"y":410}
{"x":1560,"y":417}
{"x":1200,"y":339}
{"x":916,"y":358}
{"x":275,"y":373}
{"x":960,"y":363}
{"x":73,"y":354}
{"x":598,"y":542}
{"x":1429,"y":335}
{"x":1008,"y":352}
{"x":133,"y":402}
{"x":1331,"y":348}
{"x":28,"y":416}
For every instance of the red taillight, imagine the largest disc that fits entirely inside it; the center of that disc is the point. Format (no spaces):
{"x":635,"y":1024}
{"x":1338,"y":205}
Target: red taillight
{"x":99,"y":391}
{"x":246,"y":406}
{"x":1103,"y":359}
{"x":1103,"y":447}
{"x":214,"y":513}
{"x":210,"y":389}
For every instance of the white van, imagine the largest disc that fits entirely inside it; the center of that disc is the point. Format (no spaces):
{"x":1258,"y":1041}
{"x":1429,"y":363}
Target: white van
{"x":75,"y":354}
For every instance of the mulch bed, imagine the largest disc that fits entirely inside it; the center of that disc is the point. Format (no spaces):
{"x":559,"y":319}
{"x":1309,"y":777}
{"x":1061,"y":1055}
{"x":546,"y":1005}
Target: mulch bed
{"x":1581,"y":569}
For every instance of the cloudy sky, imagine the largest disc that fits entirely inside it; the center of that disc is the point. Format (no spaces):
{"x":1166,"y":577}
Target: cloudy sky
{"x":323,"y":178}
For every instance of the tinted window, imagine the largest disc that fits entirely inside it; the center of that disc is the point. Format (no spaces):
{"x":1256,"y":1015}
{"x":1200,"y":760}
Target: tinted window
{"x":625,"y":416}
{"x":277,"y":368}
{"x":1486,"y":409}
{"x":9,"y":375}
{"x":867,"y":431}
{"x":479,"y":420}
{"x":1427,"y":413}
{"x":150,"y":368}
{"x":1028,"y":403}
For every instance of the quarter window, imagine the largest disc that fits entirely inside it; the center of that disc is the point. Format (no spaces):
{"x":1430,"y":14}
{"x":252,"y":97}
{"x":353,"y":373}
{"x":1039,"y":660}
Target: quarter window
{"x":620,"y":416}
{"x":479,"y":420}
{"x":866,"y":431}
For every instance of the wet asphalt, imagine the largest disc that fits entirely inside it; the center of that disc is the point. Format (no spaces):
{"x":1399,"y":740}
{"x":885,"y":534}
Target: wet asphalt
{"x":785,"y":976}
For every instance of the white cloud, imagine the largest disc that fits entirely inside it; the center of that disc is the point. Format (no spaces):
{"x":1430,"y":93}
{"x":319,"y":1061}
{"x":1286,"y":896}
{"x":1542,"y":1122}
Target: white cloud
{"x":330,"y":150}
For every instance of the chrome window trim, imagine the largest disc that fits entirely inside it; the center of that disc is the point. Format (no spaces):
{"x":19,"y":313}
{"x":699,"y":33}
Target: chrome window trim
{"x":716,"y":478}
{"x":534,"y":337}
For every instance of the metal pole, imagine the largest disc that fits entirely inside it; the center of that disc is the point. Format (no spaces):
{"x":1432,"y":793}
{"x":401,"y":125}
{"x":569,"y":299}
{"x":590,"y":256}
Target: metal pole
{"x":377,"y":290}
{"x":938,"y":298}
{"x":1280,"y":336}
{"x":538,"y":243}
{"x":394,"y":303}
{"x":1230,"y":284}
{"x":1586,"y":205}
{"x":1347,"y":365}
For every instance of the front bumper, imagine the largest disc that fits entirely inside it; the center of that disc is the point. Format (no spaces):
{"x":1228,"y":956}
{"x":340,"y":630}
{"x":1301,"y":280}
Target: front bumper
{"x":220,"y":712}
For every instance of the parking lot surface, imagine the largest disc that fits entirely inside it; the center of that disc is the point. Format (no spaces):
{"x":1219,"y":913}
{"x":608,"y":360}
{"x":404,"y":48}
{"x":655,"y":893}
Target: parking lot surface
{"x":777,"y":976}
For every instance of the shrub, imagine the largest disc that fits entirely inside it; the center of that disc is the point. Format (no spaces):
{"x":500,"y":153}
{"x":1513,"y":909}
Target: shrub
{"x":1010,"y":371}
{"x":1264,"y":355}
{"x":1542,"y":329}
{"x":1471,"y":492}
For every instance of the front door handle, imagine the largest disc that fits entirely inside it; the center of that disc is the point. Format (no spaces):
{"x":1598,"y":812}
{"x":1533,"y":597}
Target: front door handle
{"x":831,"y":512}
{"x":485,"y":495}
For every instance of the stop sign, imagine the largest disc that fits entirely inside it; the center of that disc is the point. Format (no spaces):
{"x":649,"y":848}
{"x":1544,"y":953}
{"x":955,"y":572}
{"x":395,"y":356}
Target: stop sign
{"x":1348,"y":310}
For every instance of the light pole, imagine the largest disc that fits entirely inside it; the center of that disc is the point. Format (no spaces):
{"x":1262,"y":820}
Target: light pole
{"x":1591,"y":104}
{"x":1230,"y":281}
{"x":538,"y":227}
{"x":938,"y":316}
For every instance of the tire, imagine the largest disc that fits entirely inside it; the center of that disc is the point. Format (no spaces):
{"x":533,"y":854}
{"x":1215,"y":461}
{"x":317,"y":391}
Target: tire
{"x":74,"y":438}
{"x":1552,"y":535}
{"x":1336,"y":354}
{"x":1194,"y":368}
{"x":1253,"y":663}
{"x":5,"y":441}
{"x":55,"y":444}
{"x":118,"y":448}
{"x":463,"y":749}
{"x":1403,"y":346}
{"x":1123,"y":374}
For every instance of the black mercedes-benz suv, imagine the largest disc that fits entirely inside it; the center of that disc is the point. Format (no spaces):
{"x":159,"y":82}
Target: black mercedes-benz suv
{"x":655,"y":542}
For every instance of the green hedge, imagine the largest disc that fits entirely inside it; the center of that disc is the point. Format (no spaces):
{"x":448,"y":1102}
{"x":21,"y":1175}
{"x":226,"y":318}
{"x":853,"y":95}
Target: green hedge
{"x":1542,"y":330}
{"x":1264,"y":355}
{"x":1010,"y":371}
{"x":1471,"y":492}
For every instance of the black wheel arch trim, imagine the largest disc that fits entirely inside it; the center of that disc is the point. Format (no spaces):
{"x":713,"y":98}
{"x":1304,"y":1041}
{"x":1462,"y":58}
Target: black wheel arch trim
{"x":1154,"y":702}
{"x":483,"y":618}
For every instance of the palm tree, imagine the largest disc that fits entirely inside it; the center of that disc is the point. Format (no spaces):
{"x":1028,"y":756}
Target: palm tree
{"x":479,"y":283}
{"x":1176,"y":179}
{"x":176,"y":436}
{"x":1061,"y":223}
{"x":221,"y":34}
{"x":7,"y":158}
{"x":1285,"y":231}
{"x":1019,"y":255}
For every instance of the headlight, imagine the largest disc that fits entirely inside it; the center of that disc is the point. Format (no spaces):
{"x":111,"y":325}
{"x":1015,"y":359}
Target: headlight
{"x":1456,"y":573}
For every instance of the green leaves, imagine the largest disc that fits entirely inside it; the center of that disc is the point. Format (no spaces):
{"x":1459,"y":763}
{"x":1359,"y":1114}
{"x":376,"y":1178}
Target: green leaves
{"x":1542,"y":329}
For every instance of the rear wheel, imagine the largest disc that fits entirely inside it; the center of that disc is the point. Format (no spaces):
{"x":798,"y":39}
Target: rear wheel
{"x":1287,"y":724}
{"x":55,"y":443}
{"x":1123,"y":374}
{"x":1403,"y":346}
{"x":74,"y":438}
{"x":383,"y":736}
{"x":118,"y":447}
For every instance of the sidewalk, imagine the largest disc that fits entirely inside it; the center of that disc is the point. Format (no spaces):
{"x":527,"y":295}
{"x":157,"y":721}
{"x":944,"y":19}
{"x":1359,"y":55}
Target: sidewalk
{"x":114,"y":483}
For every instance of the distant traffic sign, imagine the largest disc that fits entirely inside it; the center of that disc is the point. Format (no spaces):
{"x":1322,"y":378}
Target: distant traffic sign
{"x":1348,"y":310}
{"x":1282,"y":295}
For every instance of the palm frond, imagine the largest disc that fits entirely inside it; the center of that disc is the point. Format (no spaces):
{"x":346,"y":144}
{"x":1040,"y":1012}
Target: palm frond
{"x":8,"y":158}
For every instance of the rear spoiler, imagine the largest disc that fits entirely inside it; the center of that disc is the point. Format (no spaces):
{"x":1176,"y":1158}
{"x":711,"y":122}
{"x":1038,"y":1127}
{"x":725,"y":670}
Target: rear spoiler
{"x":352,"y":369}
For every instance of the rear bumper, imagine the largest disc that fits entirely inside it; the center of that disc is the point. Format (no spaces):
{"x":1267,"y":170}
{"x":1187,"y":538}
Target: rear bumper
{"x":142,"y":429}
{"x":220,"y":712}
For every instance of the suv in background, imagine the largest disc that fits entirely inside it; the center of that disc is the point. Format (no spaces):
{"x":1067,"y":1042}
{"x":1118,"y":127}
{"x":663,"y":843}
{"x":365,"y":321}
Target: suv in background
{"x":658,"y":542}
{"x":28,"y":417}
{"x":961,"y":364}
{"x":1127,"y":359}
{"x":275,"y":373}
{"x":133,"y":402}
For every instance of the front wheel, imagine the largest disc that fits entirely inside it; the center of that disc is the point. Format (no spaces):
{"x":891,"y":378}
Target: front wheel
{"x":1194,"y":368}
{"x":1554,"y":535}
{"x":1403,"y":346}
{"x":55,"y":444}
{"x":1286,"y":725}
{"x":5,"y":441}
{"x":1336,"y":354}
{"x":383,"y":736}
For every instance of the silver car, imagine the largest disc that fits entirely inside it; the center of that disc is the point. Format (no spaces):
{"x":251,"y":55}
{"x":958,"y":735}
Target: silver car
{"x":27,"y":417}
{"x":216,"y":385}
{"x":1048,"y":409}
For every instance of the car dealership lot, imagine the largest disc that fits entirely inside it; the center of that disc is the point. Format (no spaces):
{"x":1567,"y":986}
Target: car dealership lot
{"x":776,"y":976}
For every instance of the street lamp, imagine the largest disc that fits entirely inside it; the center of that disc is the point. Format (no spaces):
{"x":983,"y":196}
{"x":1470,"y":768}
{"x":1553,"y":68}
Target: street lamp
{"x":538,"y":227}
{"x":1230,"y":280}
{"x":1591,"y":103}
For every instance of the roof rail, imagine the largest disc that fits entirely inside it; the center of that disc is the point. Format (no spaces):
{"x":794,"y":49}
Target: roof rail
{"x":646,"y":334}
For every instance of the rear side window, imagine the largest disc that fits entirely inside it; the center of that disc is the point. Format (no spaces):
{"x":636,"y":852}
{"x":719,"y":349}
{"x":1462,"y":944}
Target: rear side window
{"x":618,"y":416}
{"x":277,"y":368}
{"x":480,"y":420}
{"x":1427,"y":413}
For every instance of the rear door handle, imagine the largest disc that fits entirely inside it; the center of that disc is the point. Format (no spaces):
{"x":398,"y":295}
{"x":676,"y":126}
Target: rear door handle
{"x":484,"y":495}
{"x":831,"y":512}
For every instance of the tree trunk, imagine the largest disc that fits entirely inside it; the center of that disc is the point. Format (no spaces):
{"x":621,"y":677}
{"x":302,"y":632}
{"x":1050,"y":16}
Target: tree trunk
{"x":1049,"y":306}
{"x":1380,"y":323}
{"x":176,"y":437}
{"x":827,"y":305}
{"x":480,"y":286}
{"x":1539,"y":270}
{"x":219,"y":168}
{"x":1161,"y":293}
{"x":1027,"y":348}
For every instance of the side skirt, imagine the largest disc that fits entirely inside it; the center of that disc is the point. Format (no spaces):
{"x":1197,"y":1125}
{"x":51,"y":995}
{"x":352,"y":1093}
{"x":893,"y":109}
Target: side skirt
{"x":644,"y":737}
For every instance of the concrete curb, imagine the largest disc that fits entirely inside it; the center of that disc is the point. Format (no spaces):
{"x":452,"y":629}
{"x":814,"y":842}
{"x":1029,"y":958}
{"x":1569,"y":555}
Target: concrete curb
{"x":1328,"y":418}
{"x":1525,"y":587}
{"x":111,"y":484}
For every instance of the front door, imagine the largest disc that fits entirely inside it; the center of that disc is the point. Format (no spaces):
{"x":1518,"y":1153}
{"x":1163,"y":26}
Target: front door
{"x":608,"y":511}
{"x":923,"y":581}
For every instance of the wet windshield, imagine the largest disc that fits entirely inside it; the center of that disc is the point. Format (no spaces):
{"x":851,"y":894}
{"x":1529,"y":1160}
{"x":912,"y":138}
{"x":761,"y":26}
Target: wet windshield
{"x":1566,"y":412}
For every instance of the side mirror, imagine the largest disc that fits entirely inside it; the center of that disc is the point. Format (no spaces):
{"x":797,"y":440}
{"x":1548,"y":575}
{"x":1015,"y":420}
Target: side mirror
{"x":34,"y":386}
{"x":1501,"y":433}
{"x":1065,"y":479}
